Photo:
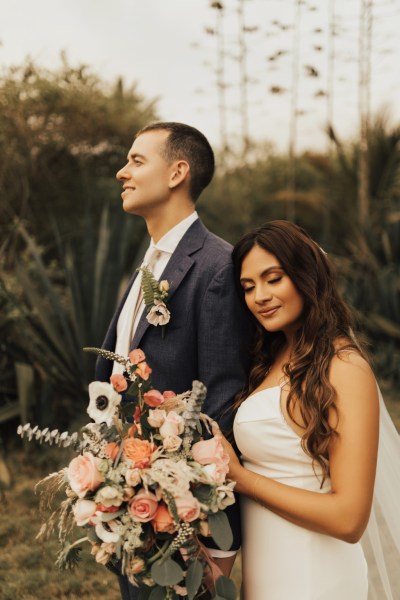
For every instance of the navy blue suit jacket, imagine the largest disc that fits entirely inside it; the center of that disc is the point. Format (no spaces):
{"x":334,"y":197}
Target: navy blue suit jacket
{"x":207,"y":336}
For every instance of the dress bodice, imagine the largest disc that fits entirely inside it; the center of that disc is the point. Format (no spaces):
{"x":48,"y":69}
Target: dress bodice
{"x":270,"y":446}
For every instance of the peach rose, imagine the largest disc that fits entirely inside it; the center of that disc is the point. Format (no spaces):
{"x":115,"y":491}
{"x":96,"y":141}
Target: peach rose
{"x":84,"y":511}
{"x":162,"y":521}
{"x":83,"y":474}
{"x":169,"y":394}
{"x":111,"y":450}
{"x":173,"y":425}
{"x":171,"y":443}
{"x":136,"y":356}
{"x":119,"y":383}
{"x":217,"y":472}
{"x":156,"y":417}
{"x":143,"y":370}
{"x":143,"y":506}
{"x":188,"y":507}
{"x":138,"y":451}
{"x":153,"y":398}
{"x":210,"y":451}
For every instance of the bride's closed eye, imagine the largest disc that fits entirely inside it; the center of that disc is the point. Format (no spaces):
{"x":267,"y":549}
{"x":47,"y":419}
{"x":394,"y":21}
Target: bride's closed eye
{"x":275,"y":280}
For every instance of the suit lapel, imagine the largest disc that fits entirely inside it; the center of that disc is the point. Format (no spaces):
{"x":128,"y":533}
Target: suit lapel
{"x":176,"y":270}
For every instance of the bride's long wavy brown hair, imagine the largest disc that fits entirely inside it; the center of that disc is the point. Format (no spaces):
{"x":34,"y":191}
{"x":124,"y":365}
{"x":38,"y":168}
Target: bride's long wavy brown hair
{"x":326,"y":324}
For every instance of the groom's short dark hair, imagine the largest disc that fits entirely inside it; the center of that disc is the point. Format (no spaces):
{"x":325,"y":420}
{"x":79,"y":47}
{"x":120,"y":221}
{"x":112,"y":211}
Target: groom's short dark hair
{"x":187,"y":143}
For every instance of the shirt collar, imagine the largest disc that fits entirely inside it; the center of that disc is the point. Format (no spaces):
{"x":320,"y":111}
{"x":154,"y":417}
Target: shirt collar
{"x":171,"y":239}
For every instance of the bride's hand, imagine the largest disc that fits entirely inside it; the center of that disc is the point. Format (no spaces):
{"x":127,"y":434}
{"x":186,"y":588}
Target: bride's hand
{"x":234,"y":462}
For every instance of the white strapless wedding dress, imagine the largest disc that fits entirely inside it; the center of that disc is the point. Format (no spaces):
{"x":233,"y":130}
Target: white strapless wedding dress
{"x":282,"y":561}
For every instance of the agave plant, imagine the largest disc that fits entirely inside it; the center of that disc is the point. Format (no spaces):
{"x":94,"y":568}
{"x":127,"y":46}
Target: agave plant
{"x":53,"y":308}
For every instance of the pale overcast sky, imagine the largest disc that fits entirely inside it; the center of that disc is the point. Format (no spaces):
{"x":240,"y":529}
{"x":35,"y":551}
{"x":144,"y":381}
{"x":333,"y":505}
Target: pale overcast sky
{"x":163,"y":47}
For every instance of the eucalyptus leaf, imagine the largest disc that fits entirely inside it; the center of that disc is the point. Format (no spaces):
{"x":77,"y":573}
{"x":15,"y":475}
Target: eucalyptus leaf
{"x":92,"y":535}
{"x":194,"y":576}
{"x":158,"y":593}
{"x":166,"y":572}
{"x":220,"y":530}
{"x":225,"y":588}
{"x":105,"y":517}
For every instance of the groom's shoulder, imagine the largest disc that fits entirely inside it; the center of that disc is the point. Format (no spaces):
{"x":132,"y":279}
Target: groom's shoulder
{"x":216,"y":248}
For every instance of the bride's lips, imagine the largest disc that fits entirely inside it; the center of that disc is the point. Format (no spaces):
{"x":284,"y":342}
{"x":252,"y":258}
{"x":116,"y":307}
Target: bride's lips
{"x":269,"y":312}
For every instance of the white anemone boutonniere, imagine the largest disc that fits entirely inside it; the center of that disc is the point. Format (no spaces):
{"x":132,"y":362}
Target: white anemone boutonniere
{"x":155,"y":296}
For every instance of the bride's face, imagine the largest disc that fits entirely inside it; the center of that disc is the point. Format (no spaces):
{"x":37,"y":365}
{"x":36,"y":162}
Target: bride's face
{"x":269,"y":292}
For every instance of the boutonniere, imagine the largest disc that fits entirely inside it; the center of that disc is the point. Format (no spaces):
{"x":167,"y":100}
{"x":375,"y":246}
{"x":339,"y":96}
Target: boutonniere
{"x":155,"y":296}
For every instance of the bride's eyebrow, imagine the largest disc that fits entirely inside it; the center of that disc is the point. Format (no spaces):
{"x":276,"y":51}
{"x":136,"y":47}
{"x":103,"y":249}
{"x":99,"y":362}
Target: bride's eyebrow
{"x":263,"y":274}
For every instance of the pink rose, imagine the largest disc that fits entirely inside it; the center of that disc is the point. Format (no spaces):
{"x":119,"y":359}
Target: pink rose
{"x":210,"y":451}
{"x":84,"y":511}
{"x":188,"y":507}
{"x":156,"y":417}
{"x":119,"y":383}
{"x":153,"y":398}
{"x":162,"y":521}
{"x":143,"y":506}
{"x":172,"y":443}
{"x":173,"y":425}
{"x":83,"y":474}
{"x":136,"y":356}
{"x":216,"y":472}
{"x":143,"y":370}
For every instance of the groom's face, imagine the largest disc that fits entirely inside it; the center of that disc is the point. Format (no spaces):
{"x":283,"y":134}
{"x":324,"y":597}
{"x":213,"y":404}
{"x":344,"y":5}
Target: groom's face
{"x":146,"y":176}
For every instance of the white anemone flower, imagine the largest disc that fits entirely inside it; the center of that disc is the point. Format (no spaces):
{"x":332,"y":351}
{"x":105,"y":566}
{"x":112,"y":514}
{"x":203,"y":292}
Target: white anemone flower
{"x":105,"y":535}
{"x":104,"y":401}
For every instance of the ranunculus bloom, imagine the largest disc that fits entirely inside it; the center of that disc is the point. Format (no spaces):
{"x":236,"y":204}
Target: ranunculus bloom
{"x":173,"y":425}
{"x":132,"y":430}
{"x":225,"y":496}
{"x":136,"y":356}
{"x":109,"y":496}
{"x":83,"y":474}
{"x":210,"y":451}
{"x":153,"y":398}
{"x":118,"y":382}
{"x":104,"y":402}
{"x":106,"y":509}
{"x":136,"y":565}
{"x":162,"y":521}
{"x":138,"y":451}
{"x":143,"y":506}
{"x":188,"y":507}
{"x":83,"y":511}
{"x":143,"y":370}
{"x":163,"y":285}
{"x":158,"y":314}
{"x":132,"y":477}
{"x":156,"y":417}
{"x":111,"y":450}
{"x":172,"y":443}
{"x":216,"y":472}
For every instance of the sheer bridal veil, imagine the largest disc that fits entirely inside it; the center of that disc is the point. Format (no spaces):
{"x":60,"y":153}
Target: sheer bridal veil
{"x":381,"y":540}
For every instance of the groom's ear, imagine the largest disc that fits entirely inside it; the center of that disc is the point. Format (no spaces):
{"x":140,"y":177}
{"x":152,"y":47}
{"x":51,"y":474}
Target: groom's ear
{"x":180,"y":170}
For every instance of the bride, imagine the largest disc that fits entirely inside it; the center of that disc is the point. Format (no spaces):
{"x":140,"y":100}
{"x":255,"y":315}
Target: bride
{"x":306,"y":426}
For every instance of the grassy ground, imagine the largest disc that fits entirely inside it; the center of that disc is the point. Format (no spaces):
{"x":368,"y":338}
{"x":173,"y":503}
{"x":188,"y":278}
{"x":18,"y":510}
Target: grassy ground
{"x":27,"y":570}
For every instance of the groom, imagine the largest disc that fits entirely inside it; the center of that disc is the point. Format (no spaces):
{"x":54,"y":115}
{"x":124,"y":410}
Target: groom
{"x":169,"y":165}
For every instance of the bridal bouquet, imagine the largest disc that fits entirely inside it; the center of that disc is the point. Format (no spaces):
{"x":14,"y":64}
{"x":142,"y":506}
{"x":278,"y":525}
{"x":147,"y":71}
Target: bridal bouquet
{"x":144,"y":486}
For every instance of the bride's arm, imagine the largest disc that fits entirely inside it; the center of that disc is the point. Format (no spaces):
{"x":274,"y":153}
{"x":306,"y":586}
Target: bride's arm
{"x":344,"y":512}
